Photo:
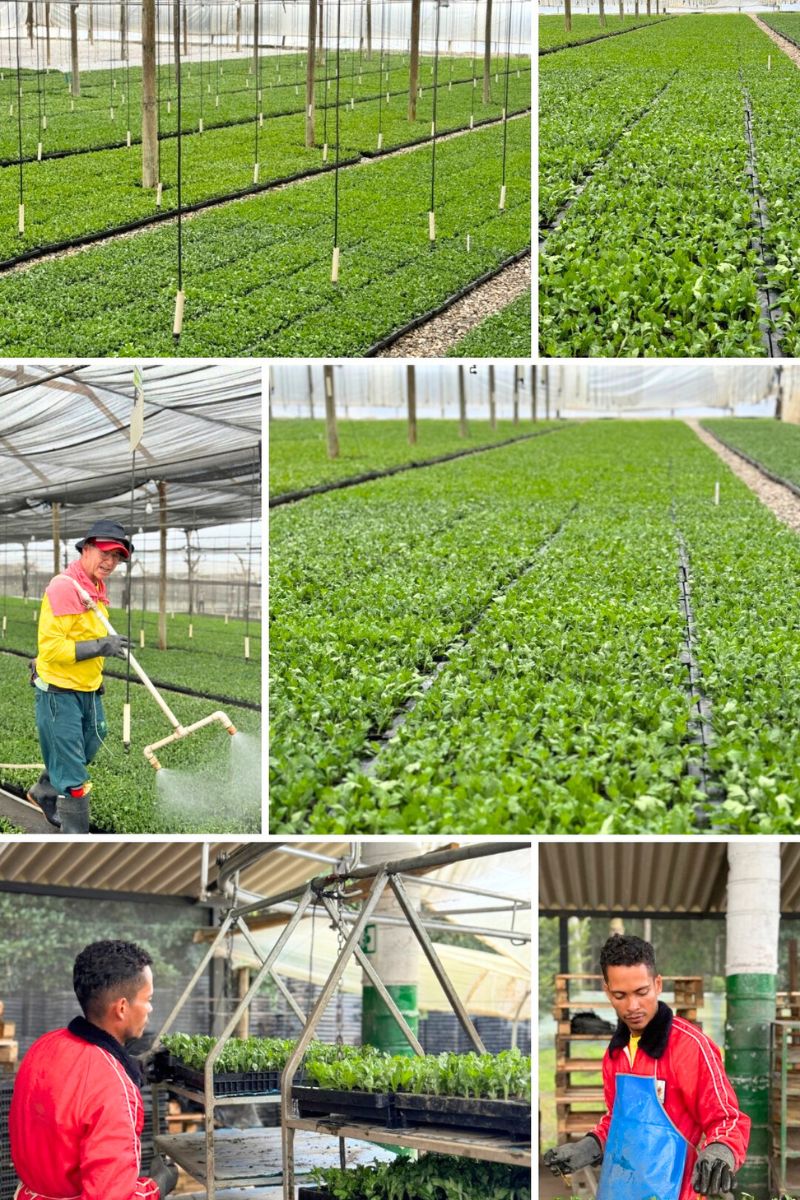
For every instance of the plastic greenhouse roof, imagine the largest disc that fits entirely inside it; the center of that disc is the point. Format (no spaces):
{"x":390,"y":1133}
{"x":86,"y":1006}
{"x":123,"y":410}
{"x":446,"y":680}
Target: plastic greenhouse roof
{"x":64,"y":438}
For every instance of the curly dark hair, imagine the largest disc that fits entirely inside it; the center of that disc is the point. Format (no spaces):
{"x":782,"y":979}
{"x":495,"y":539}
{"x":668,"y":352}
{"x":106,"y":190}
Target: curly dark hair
{"x":625,"y":950}
{"x":106,"y":970}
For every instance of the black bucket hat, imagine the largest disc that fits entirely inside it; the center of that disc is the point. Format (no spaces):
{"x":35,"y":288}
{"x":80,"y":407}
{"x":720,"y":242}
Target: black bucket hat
{"x":106,"y":531}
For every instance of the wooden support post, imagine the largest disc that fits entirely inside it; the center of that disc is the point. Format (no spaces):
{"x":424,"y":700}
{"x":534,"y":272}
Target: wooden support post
{"x":411,"y":393}
{"x":413,"y":68}
{"x":310,"y":68}
{"x":75,"y":76}
{"x":487,"y":54}
{"x":463,"y":428}
{"x":185,"y":32}
{"x":238,"y":27}
{"x":123,"y":31}
{"x":29,"y":22}
{"x":150,"y":164}
{"x":47,"y":31}
{"x":242,"y":988}
{"x":162,"y":566}
{"x":516,"y":395}
{"x":331,"y":433}
{"x":369,"y":30}
{"x":568,"y":14}
{"x":310,"y":393}
{"x":91,"y":23}
{"x":320,"y":33}
{"x":602,"y":12}
{"x":533,"y":392}
{"x":56,"y":512}
{"x":492,"y":398}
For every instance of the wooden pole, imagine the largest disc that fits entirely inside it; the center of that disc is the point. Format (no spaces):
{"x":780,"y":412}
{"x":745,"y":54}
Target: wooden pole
{"x":123,"y":31}
{"x":150,"y":163}
{"x":602,"y":12}
{"x":533,"y":392}
{"x":411,"y":393}
{"x":238,"y":27}
{"x":29,"y":22}
{"x":310,"y":393}
{"x":492,"y":398}
{"x":162,"y":566}
{"x":56,"y":511}
{"x":568,"y":14}
{"x":463,"y":428}
{"x":331,"y":433}
{"x":413,"y":67}
{"x":47,"y":30}
{"x":242,"y":988}
{"x":75,"y":76}
{"x":487,"y":54}
{"x":91,"y":23}
{"x":310,"y":68}
{"x":186,"y":32}
{"x":320,"y":33}
{"x":516,"y":394}
{"x":369,"y":30}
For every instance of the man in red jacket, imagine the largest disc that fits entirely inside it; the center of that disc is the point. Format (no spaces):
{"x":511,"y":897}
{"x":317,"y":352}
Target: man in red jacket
{"x":76,"y":1113}
{"x":673,"y":1128}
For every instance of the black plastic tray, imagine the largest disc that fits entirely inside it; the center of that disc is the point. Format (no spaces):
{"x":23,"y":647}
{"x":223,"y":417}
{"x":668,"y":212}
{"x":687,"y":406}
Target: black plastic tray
{"x":313,"y":1193}
{"x":497,"y":1116}
{"x":226,"y":1083}
{"x":375,"y":1107}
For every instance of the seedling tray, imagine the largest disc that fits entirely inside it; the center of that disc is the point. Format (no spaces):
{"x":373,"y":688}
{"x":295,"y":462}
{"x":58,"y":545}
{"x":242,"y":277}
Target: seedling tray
{"x":226,"y":1083}
{"x":312,"y":1193}
{"x":508,"y":1117}
{"x":375,"y":1107}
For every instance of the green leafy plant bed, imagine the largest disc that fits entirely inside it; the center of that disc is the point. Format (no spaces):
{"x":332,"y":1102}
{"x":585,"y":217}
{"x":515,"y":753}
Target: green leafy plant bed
{"x":553,"y":35}
{"x":257,"y":273}
{"x":518,"y":613}
{"x":770,"y":443}
{"x":656,"y":255}
{"x":506,"y":334}
{"x":430,"y":1177}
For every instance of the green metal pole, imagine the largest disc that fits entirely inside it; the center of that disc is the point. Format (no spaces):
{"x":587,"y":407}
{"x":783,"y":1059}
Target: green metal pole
{"x":751,"y":1011}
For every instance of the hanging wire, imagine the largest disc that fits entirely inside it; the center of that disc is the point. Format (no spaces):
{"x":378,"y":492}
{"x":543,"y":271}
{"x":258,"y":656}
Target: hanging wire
{"x":432,"y":212}
{"x":21,"y":225}
{"x":201,"y":66}
{"x":129,"y":590}
{"x":335,"y":268}
{"x":127,"y":53}
{"x":505,"y":113}
{"x":178,"y":323}
{"x":254,"y":488}
{"x":380,"y":78}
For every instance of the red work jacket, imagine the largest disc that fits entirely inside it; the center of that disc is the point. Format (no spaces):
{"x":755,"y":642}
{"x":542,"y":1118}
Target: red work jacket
{"x":692,"y":1084}
{"x":75,"y":1123}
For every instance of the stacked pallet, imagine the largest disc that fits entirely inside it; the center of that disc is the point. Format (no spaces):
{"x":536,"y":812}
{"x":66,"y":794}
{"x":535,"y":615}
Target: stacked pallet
{"x":9,"y":1048}
{"x":785,"y":1093}
{"x":579,"y":1087}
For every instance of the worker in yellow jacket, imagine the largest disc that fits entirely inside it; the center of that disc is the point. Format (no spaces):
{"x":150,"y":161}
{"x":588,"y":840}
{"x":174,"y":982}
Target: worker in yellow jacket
{"x":68,"y":676}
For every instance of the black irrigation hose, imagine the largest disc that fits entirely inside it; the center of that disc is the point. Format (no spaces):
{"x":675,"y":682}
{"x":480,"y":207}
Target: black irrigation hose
{"x":768,"y":301}
{"x":366,"y":764}
{"x":385,"y":342}
{"x":601,"y":37}
{"x":87,"y":239}
{"x":231,"y":123}
{"x":753,"y":462}
{"x":384,"y":473}
{"x":162,"y":684}
{"x":545,"y":230}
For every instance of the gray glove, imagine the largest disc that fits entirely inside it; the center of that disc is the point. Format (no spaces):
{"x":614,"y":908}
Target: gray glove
{"x":114,"y":645}
{"x":165,"y":1173}
{"x":713,"y":1171}
{"x":574,"y":1156}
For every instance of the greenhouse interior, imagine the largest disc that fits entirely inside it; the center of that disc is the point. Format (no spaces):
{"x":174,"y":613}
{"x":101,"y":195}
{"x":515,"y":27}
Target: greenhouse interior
{"x":291,"y":179}
{"x":171,"y":456}
{"x":542,"y":599}
{"x":329,"y":1018}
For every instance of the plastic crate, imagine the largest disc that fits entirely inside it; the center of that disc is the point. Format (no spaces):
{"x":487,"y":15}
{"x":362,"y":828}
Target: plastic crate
{"x":508,"y":1117}
{"x":226,"y":1083}
{"x":374,"y":1107}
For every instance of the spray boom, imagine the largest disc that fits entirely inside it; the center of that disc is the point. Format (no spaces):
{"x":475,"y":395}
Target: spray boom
{"x":179,"y":731}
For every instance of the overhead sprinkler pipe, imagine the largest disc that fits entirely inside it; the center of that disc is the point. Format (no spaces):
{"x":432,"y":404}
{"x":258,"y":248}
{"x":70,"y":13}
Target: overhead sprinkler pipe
{"x":179,"y":731}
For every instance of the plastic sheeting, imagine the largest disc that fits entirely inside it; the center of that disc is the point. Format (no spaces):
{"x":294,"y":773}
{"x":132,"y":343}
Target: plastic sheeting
{"x":66,"y":440}
{"x":378,"y":389}
{"x":661,"y":389}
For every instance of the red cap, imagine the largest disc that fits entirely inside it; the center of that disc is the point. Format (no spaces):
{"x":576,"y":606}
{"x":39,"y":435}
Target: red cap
{"x":106,"y":546}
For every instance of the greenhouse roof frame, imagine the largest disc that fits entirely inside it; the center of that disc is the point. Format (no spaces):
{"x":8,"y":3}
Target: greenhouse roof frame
{"x":53,"y":418}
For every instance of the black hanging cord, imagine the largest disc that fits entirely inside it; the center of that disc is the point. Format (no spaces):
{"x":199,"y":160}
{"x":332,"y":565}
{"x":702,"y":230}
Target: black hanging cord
{"x":180,"y":162}
{"x":380,"y":78}
{"x":435,"y":105}
{"x":505,"y":98}
{"x":38,"y":80}
{"x":256,"y":113}
{"x":474,"y":77}
{"x":130,"y":589}
{"x":19,"y":107}
{"x":336,"y":170}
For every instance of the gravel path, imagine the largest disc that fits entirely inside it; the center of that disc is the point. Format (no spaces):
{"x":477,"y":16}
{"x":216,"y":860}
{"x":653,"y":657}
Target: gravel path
{"x":783,"y":503}
{"x":790,"y":50}
{"x":437,"y":336}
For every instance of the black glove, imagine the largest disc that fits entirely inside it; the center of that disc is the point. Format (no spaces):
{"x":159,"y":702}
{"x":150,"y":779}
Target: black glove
{"x":165,"y":1173}
{"x":573,"y":1156}
{"x":114,"y":645}
{"x":713,"y":1171}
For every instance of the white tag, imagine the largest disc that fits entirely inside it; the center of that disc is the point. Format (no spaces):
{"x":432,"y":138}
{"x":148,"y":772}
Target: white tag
{"x":661,"y":1089}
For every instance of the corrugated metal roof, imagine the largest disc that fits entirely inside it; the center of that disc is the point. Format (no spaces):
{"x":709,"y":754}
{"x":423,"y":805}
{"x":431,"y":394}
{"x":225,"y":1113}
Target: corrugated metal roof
{"x":640,"y":876}
{"x":151,"y":868}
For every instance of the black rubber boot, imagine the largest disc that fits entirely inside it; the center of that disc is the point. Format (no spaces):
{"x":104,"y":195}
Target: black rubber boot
{"x":45,"y":797}
{"x":74,"y":813}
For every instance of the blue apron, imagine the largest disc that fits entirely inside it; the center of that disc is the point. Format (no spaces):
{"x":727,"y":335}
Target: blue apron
{"x":645,"y":1153}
